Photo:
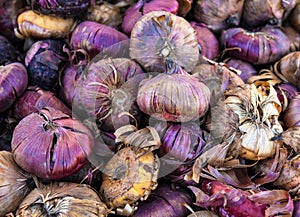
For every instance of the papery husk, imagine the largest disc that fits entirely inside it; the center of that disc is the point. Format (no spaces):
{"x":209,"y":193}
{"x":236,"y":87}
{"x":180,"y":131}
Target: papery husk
{"x":107,"y":92}
{"x":63,"y":199}
{"x":203,"y":214}
{"x":232,"y":201}
{"x":258,"y":13}
{"x":156,"y":97}
{"x":184,"y":7}
{"x":289,"y":178}
{"x":293,"y":36}
{"x":132,"y":173}
{"x":104,"y":13}
{"x":258,"y":108}
{"x":294,"y":17}
{"x":218,"y":14}
{"x":161,"y":41}
{"x":142,"y":7}
{"x":218,"y":77}
{"x":270,"y":169}
{"x":279,"y":202}
{"x":15,"y":183}
{"x":291,"y":137}
{"x":227,"y":200}
{"x":287,"y":68}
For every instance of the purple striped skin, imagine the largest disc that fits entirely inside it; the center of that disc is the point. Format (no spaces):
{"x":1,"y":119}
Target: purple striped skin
{"x":13,"y":82}
{"x":35,"y":99}
{"x":292,"y":114}
{"x":95,"y":37}
{"x":51,"y":144}
{"x":209,"y":45}
{"x":69,"y":80}
{"x":142,"y":7}
{"x":62,"y":8}
{"x":262,"y":47}
{"x":167,"y":199}
{"x":176,"y":98}
{"x":181,"y":142}
{"x":108,"y":88}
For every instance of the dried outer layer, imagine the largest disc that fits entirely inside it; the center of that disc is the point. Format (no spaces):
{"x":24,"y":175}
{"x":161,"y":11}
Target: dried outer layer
{"x":176,"y":97}
{"x":293,"y":35}
{"x":207,"y":41}
{"x":258,"y":108}
{"x":60,"y":8}
{"x":161,"y":41}
{"x":7,"y":51}
{"x":218,"y":14}
{"x":245,"y":68}
{"x":292,"y":114}
{"x":34,"y":99}
{"x":105,"y":13}
{"x":63,"y":199}
{"x":288,"y":68}
{"x":289,"y":176}
{"x":203,"y":213}
{"x":130,"y":175}
{"x":258,"y":13}
{"x":217,"y":77}
{"x":230,"y":201}
{"x":33,"y":25}
{"x":8,"y":12}
{"x":294,"y":18}
{"x":142,"y":7}
{"x":13,"y":82}
{"x":265,"y":46}
{"x":168,"y":199}
{"x":107,"y":91}
{"x":15,"y":183}
{"x":50,"y":144}
{"x":184,"y":7}
{"x":44,"y":61}
{"x":95,"y":37}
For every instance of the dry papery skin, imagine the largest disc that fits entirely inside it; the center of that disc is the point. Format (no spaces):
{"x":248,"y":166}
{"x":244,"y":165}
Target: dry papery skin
{"x":258,"y":109}
{"x":131,"y":174}
{"x":161,"y":41}
{"x":272,"y":12}
{"x":14,"y":183}
{"x":218,"y":14}
{"x":63,"y":199}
